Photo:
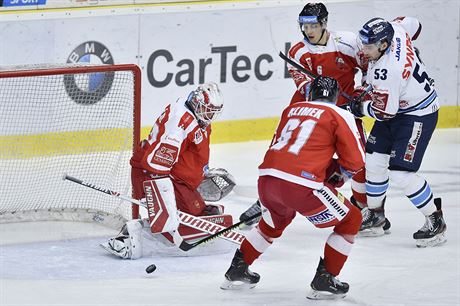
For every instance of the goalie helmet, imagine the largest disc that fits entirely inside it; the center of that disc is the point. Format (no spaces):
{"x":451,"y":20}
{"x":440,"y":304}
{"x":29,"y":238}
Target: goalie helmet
{"x":313,"y":13}
{"x":325,"y":89}
{"x":206,"y":102}
{"x":376,"y":31}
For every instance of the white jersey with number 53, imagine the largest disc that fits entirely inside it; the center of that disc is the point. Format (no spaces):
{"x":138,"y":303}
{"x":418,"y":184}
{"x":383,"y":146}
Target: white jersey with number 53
{"x":400,"y":80}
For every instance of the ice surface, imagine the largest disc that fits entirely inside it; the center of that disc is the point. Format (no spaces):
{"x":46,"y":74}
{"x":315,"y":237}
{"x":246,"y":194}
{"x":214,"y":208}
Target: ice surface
{"x":59,"y":263}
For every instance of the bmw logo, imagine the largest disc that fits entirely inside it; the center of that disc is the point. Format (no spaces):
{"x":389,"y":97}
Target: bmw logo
{"x":89,"y":88}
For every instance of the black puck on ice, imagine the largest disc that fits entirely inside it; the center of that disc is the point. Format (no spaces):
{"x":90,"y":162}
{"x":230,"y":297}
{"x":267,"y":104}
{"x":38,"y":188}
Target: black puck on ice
{"x":151,"y":268}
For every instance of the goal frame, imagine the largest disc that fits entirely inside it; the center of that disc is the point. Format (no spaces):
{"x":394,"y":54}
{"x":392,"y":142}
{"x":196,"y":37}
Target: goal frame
{"x":57,"y":69}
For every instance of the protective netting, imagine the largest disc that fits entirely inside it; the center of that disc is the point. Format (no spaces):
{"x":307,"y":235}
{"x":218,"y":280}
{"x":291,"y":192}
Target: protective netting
{"x":79,"y":121}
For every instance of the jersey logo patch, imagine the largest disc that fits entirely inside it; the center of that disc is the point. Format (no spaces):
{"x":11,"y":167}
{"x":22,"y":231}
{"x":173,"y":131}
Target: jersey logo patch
{"x":379,"y":100}
{"x":185,"y":121}
{"x":413,"y":141}
{"x":324,"y":216}
{"x":165,"y":155}
{"x":198,"y":137}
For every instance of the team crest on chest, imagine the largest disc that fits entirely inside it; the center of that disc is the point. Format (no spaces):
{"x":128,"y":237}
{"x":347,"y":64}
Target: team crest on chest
{"x":198,"y":137}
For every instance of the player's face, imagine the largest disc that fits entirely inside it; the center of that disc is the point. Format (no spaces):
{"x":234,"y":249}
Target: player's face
{"x":313,"y":31}
{"x":371,"y":52}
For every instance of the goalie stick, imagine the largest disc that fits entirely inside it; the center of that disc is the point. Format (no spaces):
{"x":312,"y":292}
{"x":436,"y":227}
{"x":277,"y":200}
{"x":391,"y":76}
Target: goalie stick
{"x":312,"y":75}
{"x":184,"y":218}
{"x":185,"y":246}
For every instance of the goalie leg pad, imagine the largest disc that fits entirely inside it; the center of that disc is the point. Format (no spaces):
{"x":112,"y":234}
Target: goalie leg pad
{"x":161,"y":205}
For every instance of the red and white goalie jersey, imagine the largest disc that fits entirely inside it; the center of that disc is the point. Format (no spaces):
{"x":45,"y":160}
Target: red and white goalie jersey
{"x":176,"y":146}
{"x":400,"y":82}
{"x":308,"y":135}
{"x":337,"y":59}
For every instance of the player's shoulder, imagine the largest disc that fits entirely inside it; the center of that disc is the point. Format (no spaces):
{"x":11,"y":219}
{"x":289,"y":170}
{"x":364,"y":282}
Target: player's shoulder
{"x":295,"y":48}
{"x":181,"y":117}
{"x":344,"y":36}
{"x":345,"y":41}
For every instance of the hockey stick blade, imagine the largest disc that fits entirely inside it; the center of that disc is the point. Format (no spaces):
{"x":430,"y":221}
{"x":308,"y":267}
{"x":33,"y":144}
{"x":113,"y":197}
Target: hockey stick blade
{"x":184,"y":246}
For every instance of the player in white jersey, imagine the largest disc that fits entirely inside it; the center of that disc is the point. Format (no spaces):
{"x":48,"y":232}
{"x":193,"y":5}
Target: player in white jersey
{"x":404,"y":103}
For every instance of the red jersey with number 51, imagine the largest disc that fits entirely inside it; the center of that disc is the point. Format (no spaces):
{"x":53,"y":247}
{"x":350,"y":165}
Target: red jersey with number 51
{"x":308,"y":135}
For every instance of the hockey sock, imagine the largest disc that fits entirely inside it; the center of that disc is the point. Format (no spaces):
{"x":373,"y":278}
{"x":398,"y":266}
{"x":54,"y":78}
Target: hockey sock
{"x":336,"y":252}
{"x":358,"y":187}
{"x":419,"y":193}
{"x":377,"y":178}
{"x":257,"y":241}
{"x":376,"y":191}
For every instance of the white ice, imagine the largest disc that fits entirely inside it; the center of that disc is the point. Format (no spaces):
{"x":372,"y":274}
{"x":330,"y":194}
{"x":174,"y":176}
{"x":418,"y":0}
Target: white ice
{"x":58,"y":263}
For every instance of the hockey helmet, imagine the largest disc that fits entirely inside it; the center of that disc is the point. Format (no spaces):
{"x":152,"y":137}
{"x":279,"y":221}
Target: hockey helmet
{"x":324,"y":88}
{"x":376,"y":31}
{"x":206,"y":102}
{"x":313,"y":13}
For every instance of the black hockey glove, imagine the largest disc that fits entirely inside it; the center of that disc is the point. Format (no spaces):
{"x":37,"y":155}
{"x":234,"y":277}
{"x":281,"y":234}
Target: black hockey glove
{"x":355,"y":107}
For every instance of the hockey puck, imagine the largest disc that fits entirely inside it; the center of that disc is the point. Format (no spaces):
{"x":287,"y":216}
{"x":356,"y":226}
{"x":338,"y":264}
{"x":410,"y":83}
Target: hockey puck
{"x":151,"y":268}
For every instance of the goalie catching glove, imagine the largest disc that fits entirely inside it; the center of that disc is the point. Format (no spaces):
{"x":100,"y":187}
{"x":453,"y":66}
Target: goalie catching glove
{"x":216,"y":184}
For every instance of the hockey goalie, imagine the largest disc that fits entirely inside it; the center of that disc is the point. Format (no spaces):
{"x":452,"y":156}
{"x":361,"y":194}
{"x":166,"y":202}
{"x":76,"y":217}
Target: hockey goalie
{"x":170,"y":172}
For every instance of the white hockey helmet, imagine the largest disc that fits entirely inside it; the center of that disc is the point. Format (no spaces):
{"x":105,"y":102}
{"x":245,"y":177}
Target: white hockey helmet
{"x":206,"y":102}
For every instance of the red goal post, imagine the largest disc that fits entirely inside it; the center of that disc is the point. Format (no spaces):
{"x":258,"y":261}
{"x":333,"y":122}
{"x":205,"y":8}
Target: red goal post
{"x":81,"y":120}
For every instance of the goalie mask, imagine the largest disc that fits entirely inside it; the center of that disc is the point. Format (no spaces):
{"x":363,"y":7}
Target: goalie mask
{"x":206,"y":103}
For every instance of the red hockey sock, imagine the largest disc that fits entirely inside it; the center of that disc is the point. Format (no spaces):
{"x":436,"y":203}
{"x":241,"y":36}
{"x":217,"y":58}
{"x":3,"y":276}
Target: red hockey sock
{"x":336,"y":252}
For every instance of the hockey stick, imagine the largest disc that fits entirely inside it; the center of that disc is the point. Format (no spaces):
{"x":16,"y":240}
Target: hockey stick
{"x":297,"y":65}
{"x":184,"y":218}
{"x":184,"y":246}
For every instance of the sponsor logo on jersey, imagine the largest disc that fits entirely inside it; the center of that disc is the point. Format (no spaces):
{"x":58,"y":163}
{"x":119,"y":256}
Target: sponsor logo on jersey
{"x":324,"y":216}
{"x":198,"y":137}
{"x":398,"y":48}
{"x":371,"y":139}
{"x":409,"y":59}
{"x":307,"y":175}
{"x":185,"y":121}
{"x":93,"y":87}
{"x":379,"y":100}
{"x":413,"y":141}
{"x":403,"y":104}
{"x":340,"y":63}
{"x":165,"y":155}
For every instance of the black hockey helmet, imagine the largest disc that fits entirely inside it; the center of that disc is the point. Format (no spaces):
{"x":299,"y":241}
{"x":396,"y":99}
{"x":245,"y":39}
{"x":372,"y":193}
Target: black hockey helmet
{"x":375,"y":31}
{"x":324,"y":88}
{"x":313,"y":13}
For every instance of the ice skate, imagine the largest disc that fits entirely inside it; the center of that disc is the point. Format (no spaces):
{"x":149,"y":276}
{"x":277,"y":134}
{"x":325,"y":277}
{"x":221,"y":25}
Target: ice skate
{"x":238,"y":276}
{"x":433,"y":232}
{"x":366,"y":215}
{"x":251,"y":211}
{"x":326,"y":286}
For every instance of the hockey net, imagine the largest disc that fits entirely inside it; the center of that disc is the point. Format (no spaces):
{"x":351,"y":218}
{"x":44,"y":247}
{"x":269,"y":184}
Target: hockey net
{"x":76,"y":120}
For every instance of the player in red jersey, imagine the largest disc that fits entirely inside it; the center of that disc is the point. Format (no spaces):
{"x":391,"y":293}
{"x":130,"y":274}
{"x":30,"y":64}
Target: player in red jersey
{"x":333,"y":54}
{"x":170,"y":166}
{"x":293,"y":178}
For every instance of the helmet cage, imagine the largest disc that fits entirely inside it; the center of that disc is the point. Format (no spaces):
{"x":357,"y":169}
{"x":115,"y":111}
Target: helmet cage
{"x":206,"y":102}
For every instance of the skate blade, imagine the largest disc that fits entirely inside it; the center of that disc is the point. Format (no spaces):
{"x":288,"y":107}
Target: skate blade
{"x":432,"y":242}
{"x":372,"y":232}
{"x":236,"y":285}
{"x":324,"y":295}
